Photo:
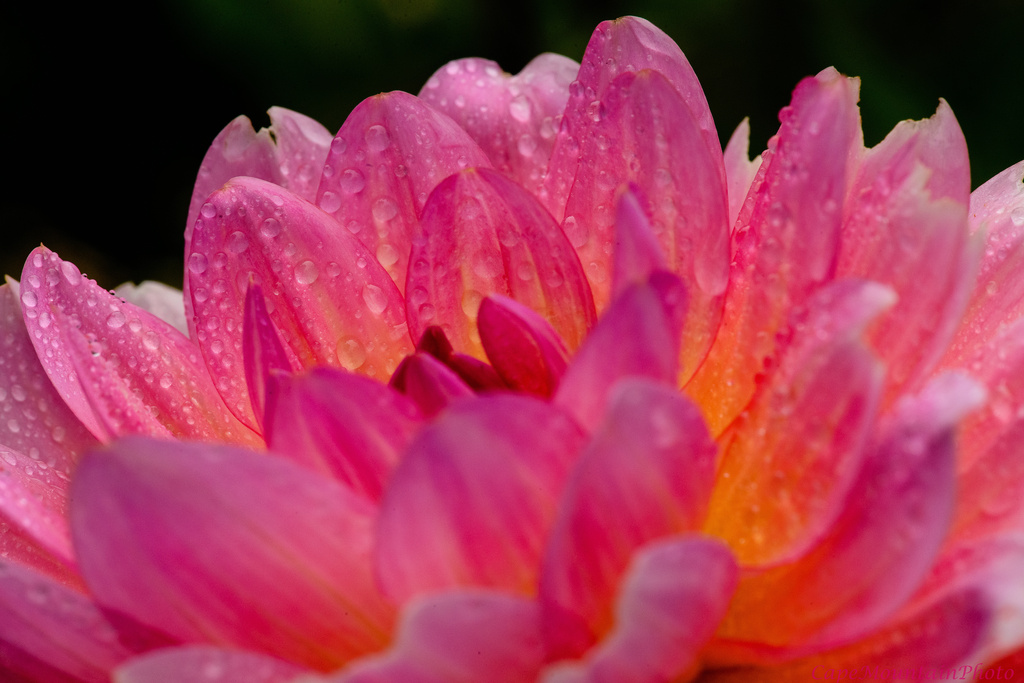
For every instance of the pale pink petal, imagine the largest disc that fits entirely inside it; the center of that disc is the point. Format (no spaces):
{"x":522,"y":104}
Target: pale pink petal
{"x":331,"y":302}
{"x":392,"y":150}
{"x":638,"y":335}
{"x":429,"y":383}
{"x":646,"y":473}
{"x":346,"y":426}
{"x":647,"y":135}
{"x":881,"y":546}
{"x":166,"y":303}
{"x":990,"y":495}
{"x":483,"y":234}
{"x":120,"y":369}
{"x":788,"y":465}
{"x":224,"y":546}
{"x":459,"y":637}
{"x":50,"y":633}
{"x":740,"y":170}
{"x":189,"y":664}
{"x":671,"y":601}
{"x":522,"y":346}
{"x":33,"y":511}
{"x":473,"y":498}
{"x":625,"y":45}
{"x":514,"y":119}
{"x":786,"y":242}
{"x":36,"y":421}
{"x":262,"y":352}
{"x":637,"y":251}
{"x":996,"y":216}
{"x":906,"y":227}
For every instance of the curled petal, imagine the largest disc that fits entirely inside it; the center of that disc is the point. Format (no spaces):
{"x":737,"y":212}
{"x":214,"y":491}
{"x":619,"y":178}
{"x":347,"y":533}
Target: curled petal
{"x":459,"y":637}
{"x":328,"y":298}
{"x":204,"y":663}
{"x":523,"y":347}
{"x":740,"y":170}
{"x":483,"y":234}
{"x":637,"y":251}
{"x":391,"y":152}
{"x":282,"y":565}
{"x":514,"y":119}
{"x":38,"y":422}
{"x":346,"y":426}
{"x":262,"y":351}
{"x":786,"y":240}
{"x":429,"y":383}
{"x":473,"y":498}
{"x":120,"y":369}
{"x":646,"y":473}
{"x":638,"y":335}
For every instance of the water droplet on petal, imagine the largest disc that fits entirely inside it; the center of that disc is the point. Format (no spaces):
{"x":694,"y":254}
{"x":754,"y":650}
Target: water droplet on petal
{"x":116,"y":320}
{"x":351,"y":353}
{"x":377,"y":138}
{"x":352,"y":181}
{"x":29,"y":299}
{"x":237,"y":242}
{"x":71,"y":273}
{"x":306,"y":273}
{"x":375,"y":299}
{"x":330,"y":202}
{"x":197,"y":263}
{"x":270,"y":228}
{"x":519,"y":108}
{"x":387,"y":255}
{"x":527,"y":145}
{"x":384,"y":209}
{"x":208,"y":210}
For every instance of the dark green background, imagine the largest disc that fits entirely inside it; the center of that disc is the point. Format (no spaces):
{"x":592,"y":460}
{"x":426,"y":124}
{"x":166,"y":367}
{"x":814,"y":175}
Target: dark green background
{"x":108,"y":113}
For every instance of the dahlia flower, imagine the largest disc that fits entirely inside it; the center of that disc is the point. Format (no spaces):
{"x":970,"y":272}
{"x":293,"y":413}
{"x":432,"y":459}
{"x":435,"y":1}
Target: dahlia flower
{"x":524,"y":379}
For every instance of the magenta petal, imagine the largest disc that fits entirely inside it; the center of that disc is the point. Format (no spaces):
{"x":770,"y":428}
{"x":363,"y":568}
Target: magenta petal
{"x":906,"y":227}
{"x":473,"y":498}
{"x":788,"y":465}
{"x":514,"y":119}
{"x":646,"y":473}
{"x":459,"y":637}
{"x":740,"y":170}
{"x":329,"y":299}
{"x":522,"y":346}
{"x":638,"y":335}
{"x":430,"y":384}
{"x":50,"y":633}
{"x":262,"y":351}
{"x":670,"y":604}
{"x":347,"y":426}
{"x":786,"y":241}
{"x":646,"y":134}
{"x":625,"y":45}
{"x":637,"y":252}
{"x":996,"y":216}
{"x":119,"y":368}
{"x":38,"y":422}
{"x":883,"y":543}
{"x":193,"y":663}
{"x":281,"y":565}
{"x":483,"y":234}
{"x":392,"y":150}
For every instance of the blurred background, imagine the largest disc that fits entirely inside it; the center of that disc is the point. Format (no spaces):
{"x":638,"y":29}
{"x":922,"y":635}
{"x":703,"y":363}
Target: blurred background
{"x":109,"y":113}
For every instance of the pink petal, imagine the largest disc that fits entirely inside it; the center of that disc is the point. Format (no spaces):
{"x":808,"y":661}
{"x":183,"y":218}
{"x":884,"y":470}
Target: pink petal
{"x":638,"y":335}
{"x":990,"y":493}
{"x":331,"y":302}
{"x":648,"y":135}
{"x":647,"y":473}
{"x":483,"y":234}
{"x":392,"y":150}
{"x":281,"y":565}
{"x":473,"y":498}
{"x":996,"y":216}
{"x":428,"y":383}
{"x":343,"y":425}
{"x":882,"y":544}
{"x":523,"y":347}
{"x":740,"y":170}
{"x":906,"y":227}
{"x":789,"y":463}
{"x":50,"y":633}
{"x":787,"y":240}
{"x":33,"y":524}
{"x":459,"y":637}
{"x":637,"y":252}
{"x":514,"y":119}
{"x":671,"y":601}
{"x":625,"y":45}
{"x":262,"y":351}
{"x":120,"y":369}
{"x":476,"y":373}
{"x":36,"y":421}
{"x":157,"y":298}
{"x":204,"y":663}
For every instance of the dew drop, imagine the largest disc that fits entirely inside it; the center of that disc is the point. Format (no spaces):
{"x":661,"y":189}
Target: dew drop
{"x":351,"y":353}
{"x":197,"y":263}
{"x":166,"y":382}
{"x":270,"y":228}
{"x":527,"y":145}
{"x":18,"y":393}
{"x":333,"y":269}
{"x":330,"y":202}
{"x":519,"y":108}
{"x":306,"y":273}
{"x":208,"y":210}
{"x":387,"y":255}
{"x":29,"y":299}
{"x":352,"y":181}
{"x":375,"y":299}
{"x":338,"y":146}
{"x":237,"y":242}
{"x":116,"y":320}
{"x":377,"y":138}
{"x":71,"y":273}
{"x":384,"y":209}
